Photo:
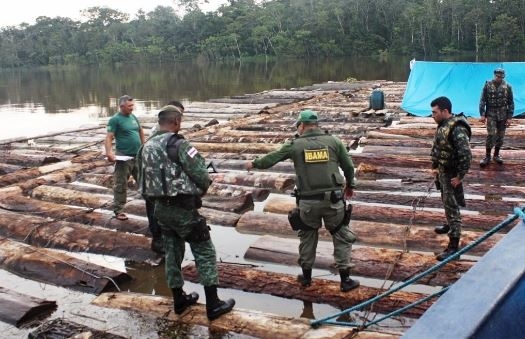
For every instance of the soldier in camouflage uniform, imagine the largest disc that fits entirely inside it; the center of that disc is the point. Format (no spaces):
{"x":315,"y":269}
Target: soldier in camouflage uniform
{"x":496,"y":108}
{"x":321,"y":191}
{"x":451,"y":157}
{"x":173,"y":174}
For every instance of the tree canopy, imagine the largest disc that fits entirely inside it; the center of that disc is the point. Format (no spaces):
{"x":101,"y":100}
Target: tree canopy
{"x":270,"y":28}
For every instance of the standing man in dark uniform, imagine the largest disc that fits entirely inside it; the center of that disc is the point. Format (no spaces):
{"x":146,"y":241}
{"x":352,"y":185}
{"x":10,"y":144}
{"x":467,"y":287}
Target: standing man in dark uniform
{"x":451,"y":157}
{"x":321,"y":190}
{"x":496,"y":108}
{"x":124,"y":127}
{"x":173,"y":174}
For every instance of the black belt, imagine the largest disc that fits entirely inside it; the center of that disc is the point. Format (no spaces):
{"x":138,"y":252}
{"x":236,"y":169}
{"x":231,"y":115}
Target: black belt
{"x":319,"y":196}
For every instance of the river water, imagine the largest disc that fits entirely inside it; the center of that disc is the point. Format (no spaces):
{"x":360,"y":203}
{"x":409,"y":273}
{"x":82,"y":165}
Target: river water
{"x":36,"y":101}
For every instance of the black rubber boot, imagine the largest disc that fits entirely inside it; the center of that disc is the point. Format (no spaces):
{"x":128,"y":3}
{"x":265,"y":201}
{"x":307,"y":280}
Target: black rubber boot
{"x":157,"y":245}
{"x":215,"y":307}
{"x":305,"y":279}
{"x":443,"y":229}
{"x":452,"y":247}
{"x":347,"y":283}
{"x":181,"y":300}
{"x":485,"y":161}
{"x":497,"y":158}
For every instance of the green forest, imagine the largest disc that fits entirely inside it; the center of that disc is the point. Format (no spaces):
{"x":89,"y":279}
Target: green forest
{"x":270,"y":28}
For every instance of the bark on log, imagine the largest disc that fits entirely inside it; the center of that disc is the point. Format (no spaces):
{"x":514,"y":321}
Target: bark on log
{"x":224,"y":190}
{"x":138,"y":207}
{"x":477,"y":152}
{"x":61,"y":328}
{"x":282,"y":204}
{"x":377,"y":263}
{"x":238,"y":165}
{"x":430,"y":132}
{"x":321,"y":291}
{"x":32,"y":160}
{"x":277,"y":182}
{"x":368,"y":233}
{"x":17,"y":309}
{"x":74,"y":237}
{"x":15,"y":202}
{"x":21,"y":139}
{"x":8,"y":168}
{"x":57,"y":268}
{"x":245,"y":322}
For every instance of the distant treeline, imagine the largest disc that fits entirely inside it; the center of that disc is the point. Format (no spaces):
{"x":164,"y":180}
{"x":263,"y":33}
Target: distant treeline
{"x":278,"y":28}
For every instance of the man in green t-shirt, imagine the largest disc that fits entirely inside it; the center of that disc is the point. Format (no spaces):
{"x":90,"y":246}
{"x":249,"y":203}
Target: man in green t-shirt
{"x":125,"y":129}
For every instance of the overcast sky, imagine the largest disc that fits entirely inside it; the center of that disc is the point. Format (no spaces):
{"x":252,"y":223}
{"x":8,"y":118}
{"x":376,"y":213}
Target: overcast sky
{"x":16,"y":12}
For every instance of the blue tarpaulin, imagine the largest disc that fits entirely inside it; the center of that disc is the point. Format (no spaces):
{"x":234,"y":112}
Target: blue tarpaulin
{"x":461,"y":82}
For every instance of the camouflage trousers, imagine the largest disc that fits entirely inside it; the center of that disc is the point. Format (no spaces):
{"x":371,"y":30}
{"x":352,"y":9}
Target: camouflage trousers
{"x":495,"y":132}
{"x":450,"y":205}
{"x":313,"y":213}
{"x":123,"y":170}
{"x":176,"y":224}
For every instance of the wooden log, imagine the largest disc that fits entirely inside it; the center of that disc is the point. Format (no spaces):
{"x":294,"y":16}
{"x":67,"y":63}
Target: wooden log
{"x":235,"y":147}
{"x":490,"y":207}
{"x":57,"y":268}
{"x":277,"y":182}
{"x":282,"y":204}
{"x":368,"y":233}
{"x":377,"y":263}
{"x":75,"y":237}
{"x":21,"y":139}
{"x":138,"y":207}
{"x":368,"y":171}
{"x":224,"y":190}
{"x":238,"y":165}
{"x":32,"y":160}
{"x":245,"y":322}
{"x":8,"y":168}
{"x":429,"y":132}
{"x":490,"y":192}
{"x":17,"y":309}
{"x":321,"y":291}
{"x":62,"y":328}
{"x":15,"y":202}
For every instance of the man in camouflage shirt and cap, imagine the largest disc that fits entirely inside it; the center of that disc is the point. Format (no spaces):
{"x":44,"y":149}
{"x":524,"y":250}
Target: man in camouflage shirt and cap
{"x":321,"y":190}
{"x":173,"y":174}
{"x":496,"y":108}
{"x":451,"y":157}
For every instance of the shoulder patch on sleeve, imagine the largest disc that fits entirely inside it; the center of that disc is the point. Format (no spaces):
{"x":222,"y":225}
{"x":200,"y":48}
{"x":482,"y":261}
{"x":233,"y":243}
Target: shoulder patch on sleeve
{"x":192,"y":152}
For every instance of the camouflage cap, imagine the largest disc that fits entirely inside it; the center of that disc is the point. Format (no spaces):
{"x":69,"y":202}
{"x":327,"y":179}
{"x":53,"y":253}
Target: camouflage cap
{"x":306,"y":116}
{"x":499,"y":70}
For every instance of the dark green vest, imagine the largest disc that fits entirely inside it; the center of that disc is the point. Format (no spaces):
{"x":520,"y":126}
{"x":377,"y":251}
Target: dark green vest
{"x":443,"y":153}
{"x":316,"y":164}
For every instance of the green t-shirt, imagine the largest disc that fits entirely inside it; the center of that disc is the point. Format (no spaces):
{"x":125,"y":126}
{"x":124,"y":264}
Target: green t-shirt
{"x":126,"y":130}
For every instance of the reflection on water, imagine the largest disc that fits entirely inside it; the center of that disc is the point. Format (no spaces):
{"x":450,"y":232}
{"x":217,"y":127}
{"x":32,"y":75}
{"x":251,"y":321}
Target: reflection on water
{"x":63,"y":90}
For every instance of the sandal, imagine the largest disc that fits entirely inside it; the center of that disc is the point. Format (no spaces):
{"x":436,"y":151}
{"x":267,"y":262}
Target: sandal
{"x":121,"y":216}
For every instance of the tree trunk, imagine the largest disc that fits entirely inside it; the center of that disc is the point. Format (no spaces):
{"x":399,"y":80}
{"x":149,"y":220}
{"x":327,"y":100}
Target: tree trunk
{"x":321,"y":291}
{"x":248,"y":323}
{"x":368,"y":233}
{"x":57,"y":268}
{"x":370,"y":262}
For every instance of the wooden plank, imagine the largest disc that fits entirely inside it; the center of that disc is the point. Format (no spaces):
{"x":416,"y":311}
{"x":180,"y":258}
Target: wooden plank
{"x":245,"y":322}
{"x":57,"y":268}
{"x":377,"y":263}
{"x":368,"y":233}
{"x":17,"y":309}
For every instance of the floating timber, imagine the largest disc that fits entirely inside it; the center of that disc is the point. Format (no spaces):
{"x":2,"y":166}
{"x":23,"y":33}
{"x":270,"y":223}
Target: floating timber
{"x":60,"y":328}
{"x":17,"y":309}
{"x":56,"y":192}
{"x":245,"y":322}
